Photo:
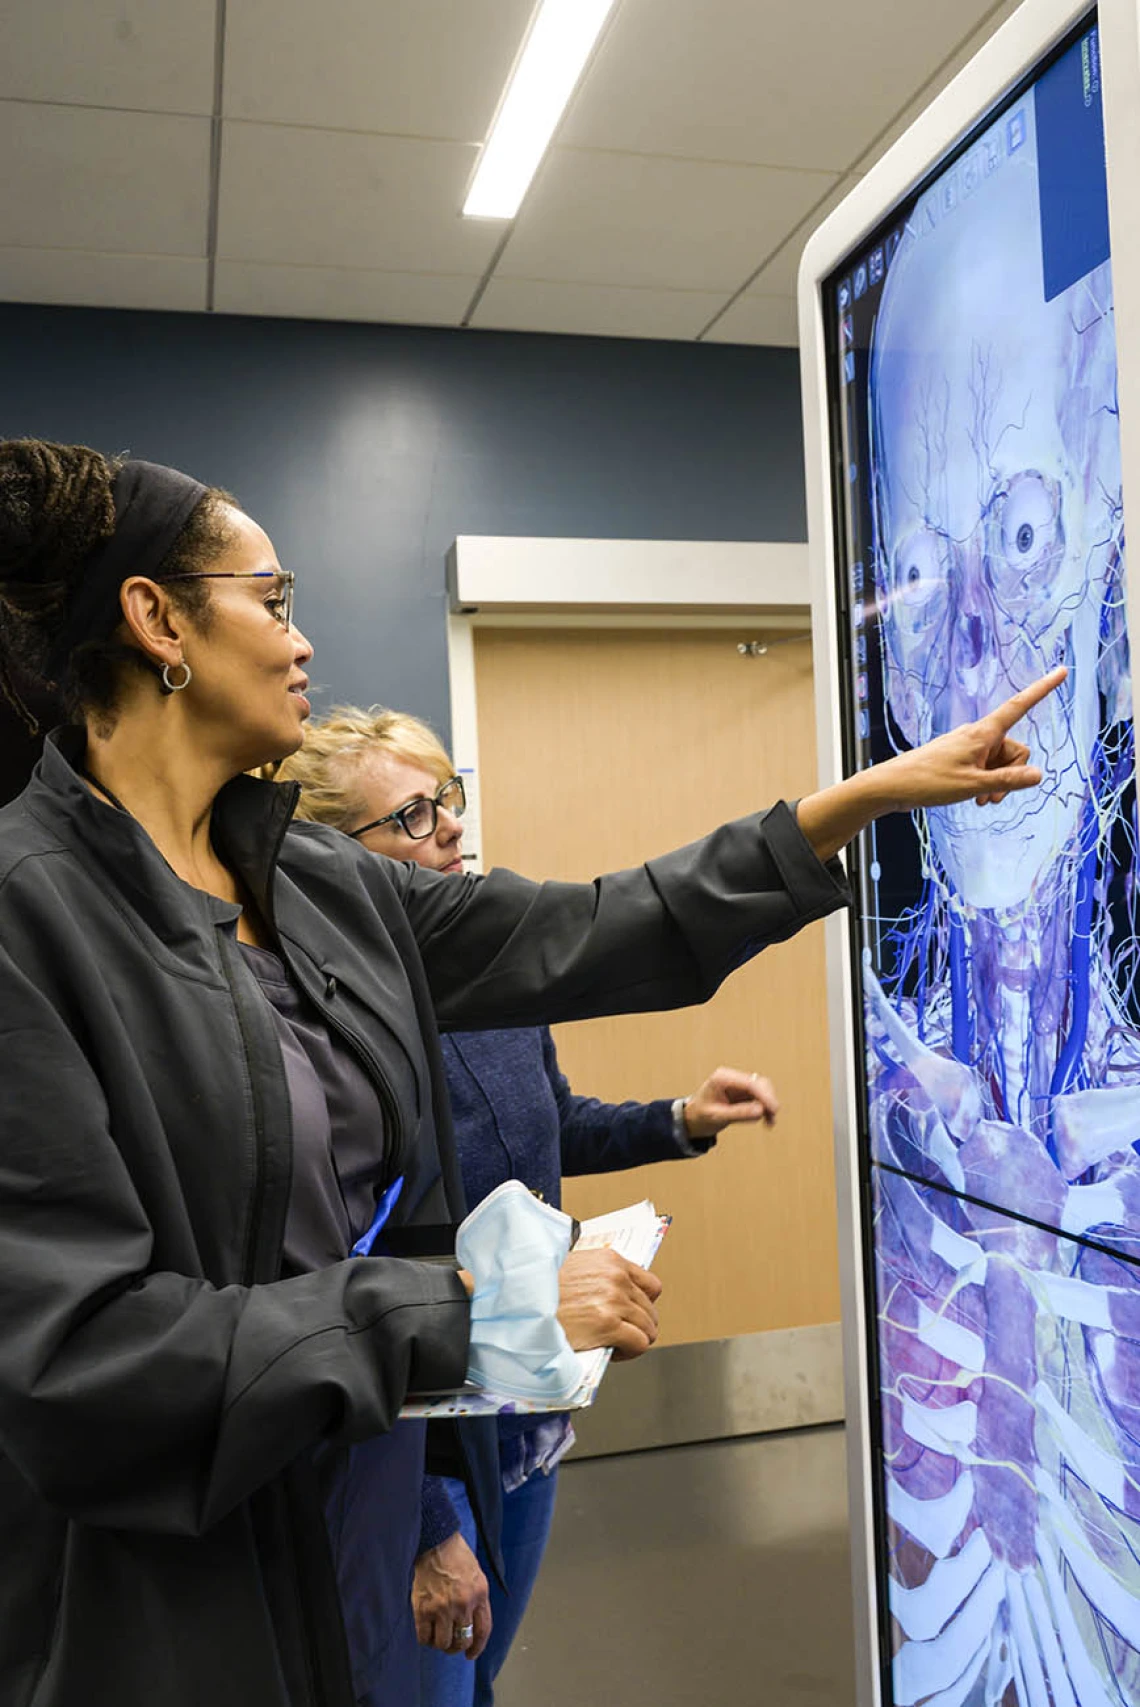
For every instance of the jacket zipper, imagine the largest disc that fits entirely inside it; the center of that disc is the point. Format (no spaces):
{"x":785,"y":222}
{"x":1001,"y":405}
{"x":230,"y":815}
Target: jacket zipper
{"x":375,"y":1073}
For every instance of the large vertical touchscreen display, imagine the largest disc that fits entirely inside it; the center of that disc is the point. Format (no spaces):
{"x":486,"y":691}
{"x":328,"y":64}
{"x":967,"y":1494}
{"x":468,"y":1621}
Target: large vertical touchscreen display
{"x":972,"y":379}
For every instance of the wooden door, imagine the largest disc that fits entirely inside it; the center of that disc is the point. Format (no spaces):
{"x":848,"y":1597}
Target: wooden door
{"x":597,"y":749}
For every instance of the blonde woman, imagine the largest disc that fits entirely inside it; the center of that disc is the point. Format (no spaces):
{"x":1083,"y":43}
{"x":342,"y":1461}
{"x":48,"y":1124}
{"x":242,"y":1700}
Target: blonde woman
{"x":385,"y":780}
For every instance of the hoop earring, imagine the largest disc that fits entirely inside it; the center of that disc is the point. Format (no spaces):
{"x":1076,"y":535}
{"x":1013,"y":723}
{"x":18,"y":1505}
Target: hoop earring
{"x":176,"y":687}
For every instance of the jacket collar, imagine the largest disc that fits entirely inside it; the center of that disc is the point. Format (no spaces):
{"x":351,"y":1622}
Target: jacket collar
{"x":248,"y":824}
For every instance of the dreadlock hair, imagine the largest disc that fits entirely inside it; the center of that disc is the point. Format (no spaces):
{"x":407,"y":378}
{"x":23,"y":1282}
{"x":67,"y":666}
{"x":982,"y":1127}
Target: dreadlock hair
{"x":56,"y":508}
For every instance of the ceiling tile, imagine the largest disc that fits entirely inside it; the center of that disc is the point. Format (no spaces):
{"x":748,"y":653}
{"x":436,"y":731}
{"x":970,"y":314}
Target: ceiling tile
{"x":805,"y":85}
{"x":432,"y":68}
{"x":91,"y":179}
{"x":88,"y":280}
{"x":779,"y":277}
{"x":533,"y":305}
{"x":769,"y":301}
{"x":758,"y":320}
{"x":598,"y":218}
{"x":331,"y":293}
{"x":341,"y":199}
{"x":945,"y":75}
{"x":150,"y":55}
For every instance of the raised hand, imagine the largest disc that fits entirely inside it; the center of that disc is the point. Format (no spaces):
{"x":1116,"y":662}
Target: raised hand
{"x":727,"y":1097}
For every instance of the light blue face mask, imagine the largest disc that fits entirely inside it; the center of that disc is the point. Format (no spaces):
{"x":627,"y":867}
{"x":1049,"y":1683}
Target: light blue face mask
{"x":513,"y":1246}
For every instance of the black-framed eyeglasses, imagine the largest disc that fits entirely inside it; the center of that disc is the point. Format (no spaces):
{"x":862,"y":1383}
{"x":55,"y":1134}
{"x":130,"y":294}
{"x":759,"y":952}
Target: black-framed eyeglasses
{"x":419,"y":818}
{"x":281,"y":607}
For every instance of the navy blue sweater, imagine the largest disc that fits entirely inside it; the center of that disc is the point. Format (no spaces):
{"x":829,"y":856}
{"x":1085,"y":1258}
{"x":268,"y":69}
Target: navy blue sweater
{"x":517,"y":1118}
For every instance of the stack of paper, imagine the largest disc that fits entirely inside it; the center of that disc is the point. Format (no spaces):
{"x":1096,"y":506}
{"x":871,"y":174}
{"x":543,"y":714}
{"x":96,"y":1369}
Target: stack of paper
{"x":635,"y":1233}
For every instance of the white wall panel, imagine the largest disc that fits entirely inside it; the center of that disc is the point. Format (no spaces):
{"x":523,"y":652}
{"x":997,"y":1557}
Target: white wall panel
{"x":488,"y":573}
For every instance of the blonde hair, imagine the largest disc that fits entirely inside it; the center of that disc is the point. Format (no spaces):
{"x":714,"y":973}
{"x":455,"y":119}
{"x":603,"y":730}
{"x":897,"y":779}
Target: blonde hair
{"x":327,"y":763}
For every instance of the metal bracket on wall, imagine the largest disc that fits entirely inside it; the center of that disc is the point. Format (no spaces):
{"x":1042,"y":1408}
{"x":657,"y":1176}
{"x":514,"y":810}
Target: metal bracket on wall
{"x":757,"y":648}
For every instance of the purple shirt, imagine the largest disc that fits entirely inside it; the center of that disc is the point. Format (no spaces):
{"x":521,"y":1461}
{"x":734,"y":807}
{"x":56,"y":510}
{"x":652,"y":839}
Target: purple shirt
{"x":340,"y":1148}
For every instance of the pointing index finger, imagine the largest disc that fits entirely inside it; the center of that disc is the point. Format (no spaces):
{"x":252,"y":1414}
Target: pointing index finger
{"x":1015,"y":708}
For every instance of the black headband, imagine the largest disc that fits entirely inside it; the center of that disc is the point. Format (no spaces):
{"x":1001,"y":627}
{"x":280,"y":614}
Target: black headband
{"x":152,"y":506}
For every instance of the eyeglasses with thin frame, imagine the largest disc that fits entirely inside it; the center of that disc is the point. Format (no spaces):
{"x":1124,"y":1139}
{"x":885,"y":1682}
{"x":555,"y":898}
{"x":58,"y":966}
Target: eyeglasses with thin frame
{"x":281,"y":607}
{"x":419,"y":817}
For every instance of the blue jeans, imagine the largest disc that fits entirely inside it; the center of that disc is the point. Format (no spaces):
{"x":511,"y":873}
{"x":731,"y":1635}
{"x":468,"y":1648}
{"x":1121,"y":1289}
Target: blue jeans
{"x":451,"y":1680}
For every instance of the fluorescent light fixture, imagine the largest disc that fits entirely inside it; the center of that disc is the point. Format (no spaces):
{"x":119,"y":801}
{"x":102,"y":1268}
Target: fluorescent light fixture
{"x":560,"y":41}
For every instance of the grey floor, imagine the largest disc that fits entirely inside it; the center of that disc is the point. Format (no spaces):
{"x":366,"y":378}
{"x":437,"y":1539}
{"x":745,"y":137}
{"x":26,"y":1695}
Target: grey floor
{"x":713,"y":1574}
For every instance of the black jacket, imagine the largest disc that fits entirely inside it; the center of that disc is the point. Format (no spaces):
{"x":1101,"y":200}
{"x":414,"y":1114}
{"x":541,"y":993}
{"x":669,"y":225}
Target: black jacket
{"x":160,"y":1386}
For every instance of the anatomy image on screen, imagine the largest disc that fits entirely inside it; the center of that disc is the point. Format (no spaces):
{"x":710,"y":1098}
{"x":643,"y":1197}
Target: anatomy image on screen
{"x":1000,"y":1000}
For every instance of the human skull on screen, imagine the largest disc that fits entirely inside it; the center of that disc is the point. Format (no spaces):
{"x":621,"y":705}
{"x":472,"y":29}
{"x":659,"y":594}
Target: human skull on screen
{"x":997,"y":515}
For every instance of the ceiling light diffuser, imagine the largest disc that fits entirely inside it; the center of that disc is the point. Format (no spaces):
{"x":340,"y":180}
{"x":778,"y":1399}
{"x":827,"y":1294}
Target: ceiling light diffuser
{"x":560,"y":41}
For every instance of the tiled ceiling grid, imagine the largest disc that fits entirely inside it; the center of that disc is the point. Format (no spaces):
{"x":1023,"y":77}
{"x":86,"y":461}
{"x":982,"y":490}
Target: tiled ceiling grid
{"x":289,"y":158}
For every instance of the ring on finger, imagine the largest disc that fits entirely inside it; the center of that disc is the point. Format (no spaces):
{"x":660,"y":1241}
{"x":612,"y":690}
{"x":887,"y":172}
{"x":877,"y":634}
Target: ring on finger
{"x":464,"y":1632}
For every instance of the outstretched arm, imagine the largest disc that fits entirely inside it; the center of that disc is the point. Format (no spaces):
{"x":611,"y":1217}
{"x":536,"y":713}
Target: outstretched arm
{"x":499,"y":951}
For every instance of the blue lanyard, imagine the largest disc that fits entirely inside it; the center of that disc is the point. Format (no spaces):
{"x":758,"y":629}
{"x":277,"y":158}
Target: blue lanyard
{"x":384,"y":1208}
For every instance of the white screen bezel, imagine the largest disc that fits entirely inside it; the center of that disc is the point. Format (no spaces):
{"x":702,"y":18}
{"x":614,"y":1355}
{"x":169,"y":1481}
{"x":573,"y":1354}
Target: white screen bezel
{"x":1012,"y":54}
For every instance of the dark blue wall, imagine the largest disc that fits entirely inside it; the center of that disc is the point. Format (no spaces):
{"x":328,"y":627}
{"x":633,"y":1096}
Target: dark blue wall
{"x":364,"y":450}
